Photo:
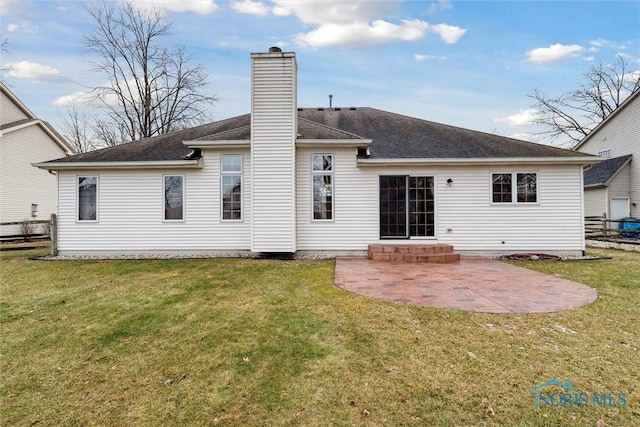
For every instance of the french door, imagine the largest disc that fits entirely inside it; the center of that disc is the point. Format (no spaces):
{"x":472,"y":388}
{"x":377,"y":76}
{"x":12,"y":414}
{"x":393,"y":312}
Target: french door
{"x":407,"y":207}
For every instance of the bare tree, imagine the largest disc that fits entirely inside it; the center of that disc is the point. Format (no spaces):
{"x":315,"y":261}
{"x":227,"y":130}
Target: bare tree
{"x":152,"y":90}
{"x":574,"y":114}
{"x":76,"y":129}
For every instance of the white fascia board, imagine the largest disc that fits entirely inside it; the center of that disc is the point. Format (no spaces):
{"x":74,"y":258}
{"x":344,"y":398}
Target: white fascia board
{"x":333,"y":142}
{"x":230,"y":143}
{"x":164,"y":164}
{"x":37,"y":122}
{"x":578,"y":160}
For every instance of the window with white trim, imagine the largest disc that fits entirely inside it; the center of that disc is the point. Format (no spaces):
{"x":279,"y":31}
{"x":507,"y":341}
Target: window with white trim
{"x":231,"y":183}
{"x":523,"y":185}
{"x":87,"y":198}
{"x":322,"y":186}
{"x":173,"y":197}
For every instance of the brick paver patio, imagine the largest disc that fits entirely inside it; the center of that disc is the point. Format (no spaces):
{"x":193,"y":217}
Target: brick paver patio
{"x":474,"y":284}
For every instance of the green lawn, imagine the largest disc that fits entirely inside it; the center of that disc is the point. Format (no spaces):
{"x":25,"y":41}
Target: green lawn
{"x":258,"y":342}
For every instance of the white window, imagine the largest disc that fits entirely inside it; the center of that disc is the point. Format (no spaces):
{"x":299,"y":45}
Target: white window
{"x":231,"y":182}
{"x":173,"y":197}
{"x":605,"y":153}
{"x":523,"y":185}
{"x":322,"y":186}
{"x":87,"y":198}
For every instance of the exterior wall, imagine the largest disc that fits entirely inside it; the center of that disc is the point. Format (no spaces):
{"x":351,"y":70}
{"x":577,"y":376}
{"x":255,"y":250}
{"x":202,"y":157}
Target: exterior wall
{"x":22,"y":184}
{"x":596,"y":202}
{"x":273,"y":130}
{"x":10,"y":112}
{"x":465,"y":216}
{"x":621,"y":134}
{"x":130,"y":212}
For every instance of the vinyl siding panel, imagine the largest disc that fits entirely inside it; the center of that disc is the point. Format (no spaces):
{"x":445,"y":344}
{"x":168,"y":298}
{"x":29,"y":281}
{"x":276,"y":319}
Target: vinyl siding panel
{"x":273,"y":127}
{"x":22,"y":184}
{"x":622,"y":136}
{"x":465,"y":216}
{"x":130,"y":212}
{"x":10,"y":112}
{"x":595,"y":202}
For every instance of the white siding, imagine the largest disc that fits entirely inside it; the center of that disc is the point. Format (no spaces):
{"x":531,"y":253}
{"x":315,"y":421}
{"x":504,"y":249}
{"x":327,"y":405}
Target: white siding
{"x":10,"y":112}
{"x":476,"y":225}
{"x":22,"y":184}
{"x":130,"y":212}
{"x":621,"y":134}
{"x":273,"y":130}
{"x":595,"y":202}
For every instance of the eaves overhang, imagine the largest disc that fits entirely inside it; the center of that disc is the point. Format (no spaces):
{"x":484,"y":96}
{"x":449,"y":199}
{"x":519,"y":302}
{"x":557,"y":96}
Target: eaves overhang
{"x":333,"y":142}
{"x":574,"y":160}
{"x":229,"y":143}
{"x":160,"y":164}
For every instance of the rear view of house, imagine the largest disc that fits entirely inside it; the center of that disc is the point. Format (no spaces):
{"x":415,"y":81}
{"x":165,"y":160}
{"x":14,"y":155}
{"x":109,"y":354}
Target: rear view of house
{"x":26,"y":193}
{"x":285,"y":179}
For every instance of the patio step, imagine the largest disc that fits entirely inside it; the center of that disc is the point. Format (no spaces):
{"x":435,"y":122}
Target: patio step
{"x":435,"y":253}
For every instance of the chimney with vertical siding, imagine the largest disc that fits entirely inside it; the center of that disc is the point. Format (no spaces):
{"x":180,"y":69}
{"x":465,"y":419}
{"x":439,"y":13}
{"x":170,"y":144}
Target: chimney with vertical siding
{"x":273,"y":134}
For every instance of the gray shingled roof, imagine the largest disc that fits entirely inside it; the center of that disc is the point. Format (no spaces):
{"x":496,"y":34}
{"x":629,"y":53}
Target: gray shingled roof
{"x":397,"y":136}
{"x":602,"y":172}
{"x":393,"y":136}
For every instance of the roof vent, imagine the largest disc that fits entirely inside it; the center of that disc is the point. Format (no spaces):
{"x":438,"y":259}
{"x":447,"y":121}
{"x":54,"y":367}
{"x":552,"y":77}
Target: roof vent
{"x":275,"y":49}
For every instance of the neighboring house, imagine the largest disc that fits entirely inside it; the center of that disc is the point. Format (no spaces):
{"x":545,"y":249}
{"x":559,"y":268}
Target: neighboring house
{"x":285,"y":179}
{"x":25,"y":192}
{"x":612,"y":187}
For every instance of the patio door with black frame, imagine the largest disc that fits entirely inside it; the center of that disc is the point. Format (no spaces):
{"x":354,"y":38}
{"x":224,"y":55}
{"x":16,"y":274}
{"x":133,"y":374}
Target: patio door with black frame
{"x":407,"y":207}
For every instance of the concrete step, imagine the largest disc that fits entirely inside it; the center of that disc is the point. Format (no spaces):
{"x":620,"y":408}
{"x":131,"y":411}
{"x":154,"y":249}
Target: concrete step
{"x":403,"y":253}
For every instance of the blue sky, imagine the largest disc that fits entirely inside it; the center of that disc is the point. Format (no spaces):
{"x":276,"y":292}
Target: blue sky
{"x":464,"y":63}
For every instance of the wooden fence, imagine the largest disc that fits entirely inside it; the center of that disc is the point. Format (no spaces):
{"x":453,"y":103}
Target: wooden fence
{"x":600,"y":226}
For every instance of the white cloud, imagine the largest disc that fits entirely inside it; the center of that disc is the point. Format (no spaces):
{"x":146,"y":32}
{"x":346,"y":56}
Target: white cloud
{"x":449,"y":33}
{"x":589,"y":58}
{"x":358,"y":22}
{"x":439,"y":6}
{"x":74,"y":98}
{"x":25,"y":26}
{"x":199,"y":7}
{"x":555,"y":52}
{"x":524,"y":136}
{"x":7,"y":6}
{"x":336,"y":11}
{"x":362,"y":33}
{"x":424,"y":57}
{"x":26,"y":70}
{"x":250,"y":7}
{"x":521,"y":118}
{"x":600,"y":43}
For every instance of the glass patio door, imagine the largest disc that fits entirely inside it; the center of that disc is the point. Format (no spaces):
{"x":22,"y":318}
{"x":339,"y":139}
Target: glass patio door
{"x":406,"y":207}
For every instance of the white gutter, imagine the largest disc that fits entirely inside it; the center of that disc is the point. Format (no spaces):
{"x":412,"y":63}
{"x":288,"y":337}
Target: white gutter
{"x":162,"y":164}
{"x":334,"y":142}
{"x":577,"y":160}
{"x":229,"y":143}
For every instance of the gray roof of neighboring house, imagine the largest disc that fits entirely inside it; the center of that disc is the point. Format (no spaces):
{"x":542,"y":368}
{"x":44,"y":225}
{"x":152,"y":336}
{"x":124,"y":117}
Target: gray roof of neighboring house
{"x":393,"y":136}
{"x":601,"y":173}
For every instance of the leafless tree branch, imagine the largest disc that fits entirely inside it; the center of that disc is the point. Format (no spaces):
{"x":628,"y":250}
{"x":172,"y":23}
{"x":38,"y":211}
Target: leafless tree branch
{"x":574,"y":114}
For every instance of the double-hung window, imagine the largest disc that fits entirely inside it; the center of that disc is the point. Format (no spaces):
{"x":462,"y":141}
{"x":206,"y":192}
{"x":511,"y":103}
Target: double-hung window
{"x":514,"y":187}
{"x":87,"y":198}
{"x":322,"y":183}
{"x":231,"y":182}
{"x":173,"y":197}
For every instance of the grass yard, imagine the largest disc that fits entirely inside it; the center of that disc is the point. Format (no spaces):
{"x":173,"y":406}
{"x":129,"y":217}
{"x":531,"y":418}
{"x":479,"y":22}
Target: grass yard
{"x":258,"y":342}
